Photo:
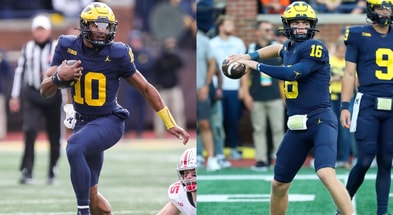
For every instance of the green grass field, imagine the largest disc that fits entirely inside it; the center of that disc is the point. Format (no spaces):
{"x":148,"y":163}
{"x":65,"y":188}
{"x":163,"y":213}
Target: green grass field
{"x":137,"y":173}
{"x":241,"y":191}
{"x":135,"y":178}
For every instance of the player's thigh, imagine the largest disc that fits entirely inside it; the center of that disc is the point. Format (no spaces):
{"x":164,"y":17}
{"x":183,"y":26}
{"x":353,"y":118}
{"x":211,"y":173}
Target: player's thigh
{"x":367,"y":132}
{"x":93,"y":138}
{"x":291,"y":155}
{"x":325,"y":145}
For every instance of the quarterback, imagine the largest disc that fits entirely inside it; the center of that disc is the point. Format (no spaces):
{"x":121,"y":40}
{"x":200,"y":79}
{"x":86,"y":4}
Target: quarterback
{"x":94,"y":81}
{"x":311,"y":122}
{"x":182,"y":193}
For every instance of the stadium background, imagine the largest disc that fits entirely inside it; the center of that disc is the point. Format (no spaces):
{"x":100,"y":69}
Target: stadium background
{"x":15,"y":32}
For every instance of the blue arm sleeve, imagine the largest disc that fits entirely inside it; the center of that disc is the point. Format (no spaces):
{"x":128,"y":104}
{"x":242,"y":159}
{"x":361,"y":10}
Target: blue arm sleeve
{"x":295,"y":72}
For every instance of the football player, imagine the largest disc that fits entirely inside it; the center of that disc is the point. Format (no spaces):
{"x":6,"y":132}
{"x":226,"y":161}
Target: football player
{"x":101,"y":62}
{"x":311,"y":122}
{"x":182,"y":193}
{"x":369,"y":59}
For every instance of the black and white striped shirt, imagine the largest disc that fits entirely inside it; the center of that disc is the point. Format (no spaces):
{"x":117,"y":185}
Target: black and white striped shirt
{"x":32,"y":65}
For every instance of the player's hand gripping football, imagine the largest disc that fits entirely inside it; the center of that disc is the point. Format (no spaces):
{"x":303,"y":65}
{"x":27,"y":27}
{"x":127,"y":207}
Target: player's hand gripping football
{"x":241,"y":60}
{"x":70,"y":70}
{"x":233,"y":71}
{"x":236,"y":57}
{"x":180,"y":133}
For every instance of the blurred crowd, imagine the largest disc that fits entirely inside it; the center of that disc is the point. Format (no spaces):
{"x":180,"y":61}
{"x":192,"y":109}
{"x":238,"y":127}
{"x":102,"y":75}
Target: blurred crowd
{"x":321,"y":6}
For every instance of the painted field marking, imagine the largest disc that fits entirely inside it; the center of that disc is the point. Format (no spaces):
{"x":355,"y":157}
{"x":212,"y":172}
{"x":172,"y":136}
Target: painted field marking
{"x":270,"y":177}
{"x":250,"y":197}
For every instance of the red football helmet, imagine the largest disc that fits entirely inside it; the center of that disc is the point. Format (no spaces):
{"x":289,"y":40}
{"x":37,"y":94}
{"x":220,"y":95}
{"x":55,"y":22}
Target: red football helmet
{"x":188,"y":161}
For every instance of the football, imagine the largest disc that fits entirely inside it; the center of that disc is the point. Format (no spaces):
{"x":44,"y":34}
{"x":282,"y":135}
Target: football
{"x":231,"y":72}
{"x":66,"y":84}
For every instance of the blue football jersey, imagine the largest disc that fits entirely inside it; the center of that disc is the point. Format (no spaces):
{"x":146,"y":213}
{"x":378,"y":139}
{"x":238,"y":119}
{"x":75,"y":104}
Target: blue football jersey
{"x":310,"y":91}
{"x":373,"y":53}
{"x":96,"y":91}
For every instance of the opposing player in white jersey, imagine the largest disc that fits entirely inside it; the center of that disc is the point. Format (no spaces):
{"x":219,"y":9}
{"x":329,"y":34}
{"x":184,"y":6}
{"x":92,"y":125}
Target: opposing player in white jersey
{"x":182,"y":193}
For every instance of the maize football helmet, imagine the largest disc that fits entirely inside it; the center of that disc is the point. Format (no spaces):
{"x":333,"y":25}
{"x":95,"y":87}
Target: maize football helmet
{"x":101,"y":15}
{"x":187,"y":161}
{"x":299,"y":10}
{"x":376,"y":18}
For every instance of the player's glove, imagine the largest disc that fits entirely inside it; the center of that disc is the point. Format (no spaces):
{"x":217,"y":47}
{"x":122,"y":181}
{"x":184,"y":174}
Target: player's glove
{"x":70,"y":119}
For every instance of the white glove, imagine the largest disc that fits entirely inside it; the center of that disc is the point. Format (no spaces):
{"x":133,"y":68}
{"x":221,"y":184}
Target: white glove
{"x":70,"y":120}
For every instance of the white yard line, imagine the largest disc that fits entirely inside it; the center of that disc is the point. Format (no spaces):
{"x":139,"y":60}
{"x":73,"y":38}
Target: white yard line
{"x":270,"y":177}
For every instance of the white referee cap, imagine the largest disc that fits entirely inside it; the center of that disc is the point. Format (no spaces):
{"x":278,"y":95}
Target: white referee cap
{"x":41,"y":21}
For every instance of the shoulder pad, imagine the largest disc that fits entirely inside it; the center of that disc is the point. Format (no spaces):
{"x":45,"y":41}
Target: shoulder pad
{"x":354,"y":32}
{"x":119,"y":49}
{"x":66,"y":40}
{"x":315,"y":50}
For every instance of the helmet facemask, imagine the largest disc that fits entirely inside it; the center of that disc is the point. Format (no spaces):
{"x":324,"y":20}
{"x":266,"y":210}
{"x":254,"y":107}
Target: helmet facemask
{"x":187,"y":165}
{"x":190,"y":185}
{"x":377,"y":18}
{"x":87,"y":33}
{"x":290,"y":32}
{"x":101,"y":16}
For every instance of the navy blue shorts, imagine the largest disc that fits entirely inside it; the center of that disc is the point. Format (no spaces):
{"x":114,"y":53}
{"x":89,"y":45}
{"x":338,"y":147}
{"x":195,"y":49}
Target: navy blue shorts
{"x":90,"y":139}
{"x":321,"y":134}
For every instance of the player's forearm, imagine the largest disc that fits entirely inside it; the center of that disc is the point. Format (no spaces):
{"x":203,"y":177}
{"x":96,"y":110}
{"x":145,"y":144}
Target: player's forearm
{"x":153,"y":97}
{"x":267,"y":52}
{"x":48,"y":89}
{"x":348,"y":82}
{"x":348,"y":86}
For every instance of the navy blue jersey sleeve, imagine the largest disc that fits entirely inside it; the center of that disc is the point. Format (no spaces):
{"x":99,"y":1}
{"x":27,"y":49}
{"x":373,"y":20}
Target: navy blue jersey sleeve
{"x":61,"y":49}
{"x":125,"y":58}
{"x":295,"y":72}
{"x":351,"y":41}
{"x":313,"y":50}
{"x":311,"y":55}
{"x":129,"y":67}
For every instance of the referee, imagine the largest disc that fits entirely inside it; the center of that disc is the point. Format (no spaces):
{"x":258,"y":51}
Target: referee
{"x":35,"y":58}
